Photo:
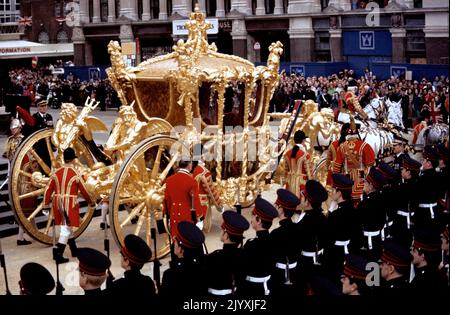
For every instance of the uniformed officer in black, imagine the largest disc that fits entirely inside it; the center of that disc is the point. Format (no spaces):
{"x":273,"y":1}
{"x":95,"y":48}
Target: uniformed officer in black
{"x":311,"y":232}
{"x":344,"y":229}
{"x":393,"y":96}
{"x":93,"y":266}
{"x":224,"y":270}
{"x":427,"y":212}
{"x":258,"y":257}
{"x":354,"y":278}
{"x":444,"y":264}
{"x":285,"y":246}
{"x":42,"y":119}
{"x":135,"y":253}
{"x":404,"y":201}
{"x":388,"y":196}
{"x":35,"y":279}
{"x":444,"y":154}
{"x":426,"y":251}
{"x":186,"y":274}
{"x":395,"y":268}
{"x":372,"y":214}
{"x":398,"y":148}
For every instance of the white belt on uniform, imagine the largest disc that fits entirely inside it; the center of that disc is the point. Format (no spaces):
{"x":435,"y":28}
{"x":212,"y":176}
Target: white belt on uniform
{"x":408,"y":216}
{"x":220,"y":292}
{"x":429,"y":206}
{"x":312,"y":254}
{"x":283,"y":266}
{"x":262,"y":280}
{"x":386,"y":225}
{"x":369,"y":236}
{"x":343,"y":244}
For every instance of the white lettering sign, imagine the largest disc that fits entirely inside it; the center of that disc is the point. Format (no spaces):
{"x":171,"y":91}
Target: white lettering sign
{"x":178,"y":27}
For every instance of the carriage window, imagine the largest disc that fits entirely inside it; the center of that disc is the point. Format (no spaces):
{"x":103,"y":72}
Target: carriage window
{"x":207,"y":102}
{"x":234,"y":105}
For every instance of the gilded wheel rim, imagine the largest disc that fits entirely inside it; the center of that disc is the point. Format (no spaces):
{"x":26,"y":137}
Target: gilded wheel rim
{"x":138,"y":192}
{"x":26,"y":191}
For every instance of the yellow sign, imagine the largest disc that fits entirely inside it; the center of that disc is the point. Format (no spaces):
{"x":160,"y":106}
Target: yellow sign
{"x":129,"y":48}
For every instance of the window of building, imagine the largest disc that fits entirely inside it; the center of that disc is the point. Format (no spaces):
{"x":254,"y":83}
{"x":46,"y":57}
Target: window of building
{"x":324,"y":4}
{"x":227,"y":5}
{"x":322,"y":46}
{"x":59,"y":7}
{"x":91,"y":9}
{"x":211,"y":7}
{"x":415,"y":41}
{"x":117,"y":4}
{"x":154,"y":8}
{"x":62,"y":37}
{"x":43,"y":37}
{"x":361,"y":4}
{"x":9,"y":11}
{"x":169,"y":7}
{"x":270,"y":6}
{"x":418,"y":4}
{"x":139,"y":9}
{"x":104,"y":10}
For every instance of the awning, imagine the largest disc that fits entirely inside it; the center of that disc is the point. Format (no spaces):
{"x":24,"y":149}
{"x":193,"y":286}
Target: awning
{"x":25,"y":49}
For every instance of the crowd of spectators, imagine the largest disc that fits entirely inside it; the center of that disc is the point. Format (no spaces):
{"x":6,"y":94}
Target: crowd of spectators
{"x":43,"y":83}
{"x":329,"y":92}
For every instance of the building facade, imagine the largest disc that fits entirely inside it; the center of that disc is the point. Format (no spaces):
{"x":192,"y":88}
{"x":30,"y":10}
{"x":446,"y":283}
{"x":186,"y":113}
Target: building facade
{"x":355,"y":31}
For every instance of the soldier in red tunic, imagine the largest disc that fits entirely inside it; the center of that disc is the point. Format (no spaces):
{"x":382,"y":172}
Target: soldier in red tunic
{"x":181,"y":196}
{"x":208,"y":193}
{"x":332,"y":152}
{"x":353,"y":158}
{"x":64,"y":186}
{"x":298,"y":165}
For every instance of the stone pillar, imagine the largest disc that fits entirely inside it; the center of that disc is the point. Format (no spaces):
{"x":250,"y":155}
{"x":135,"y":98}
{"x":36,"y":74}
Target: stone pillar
{"x":398,"y":45}
{"x":145,"y":10}
{"x":220,"y":12}
{"x":301,"y":36}
{"x":79,"y":42}
{"x":304,"y":6}
{"x":128,"y":8}
{"x":202,"y":4}
{"x":260,"y":8}
{"x":89,"y":59}
{"x":111,"y":11}
{"x":405,"y":3}
{"x":436,"y":36}
{"x":162,"y":10}
{"x":343,"y":5}
{"x":181,"y":7}
{"x":239,"y":36}
{"x":84,"y":11}
{"x":336,"y":45}
{"x":278,"y":7}
{"x":242,"y":6}
{"x":126,"y":33}
{"x":435,"y":4}
{"x":96,"y":15}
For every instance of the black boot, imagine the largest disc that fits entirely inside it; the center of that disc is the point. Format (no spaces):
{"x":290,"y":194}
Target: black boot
{"x":73,"y":247}
{"x":59,"y":254}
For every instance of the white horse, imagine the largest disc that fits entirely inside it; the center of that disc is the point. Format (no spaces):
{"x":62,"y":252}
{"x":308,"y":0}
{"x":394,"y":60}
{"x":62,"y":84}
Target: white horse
{"x":395,"y":113}
{"x":378,"y":138}
{"x":434,"y":134}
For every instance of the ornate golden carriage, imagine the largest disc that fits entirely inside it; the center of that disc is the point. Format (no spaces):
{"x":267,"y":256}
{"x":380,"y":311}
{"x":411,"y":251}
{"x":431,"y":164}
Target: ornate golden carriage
{"x":192,"y":95}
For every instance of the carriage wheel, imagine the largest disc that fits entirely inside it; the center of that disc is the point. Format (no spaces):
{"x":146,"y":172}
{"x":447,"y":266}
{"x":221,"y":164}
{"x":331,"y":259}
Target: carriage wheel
{"x":137,"y":193}
{"x":31,"y":168}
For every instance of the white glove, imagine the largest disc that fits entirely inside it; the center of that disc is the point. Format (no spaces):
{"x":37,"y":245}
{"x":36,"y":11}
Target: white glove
{"x":199,"y":224}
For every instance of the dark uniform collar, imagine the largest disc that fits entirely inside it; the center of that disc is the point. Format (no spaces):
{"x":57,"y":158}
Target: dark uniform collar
{"x":231,"y":246}
{"x":262,"y":233}
{"x":97,"y":291}
{"x":132,"y":273}
{"x":286,"y":222}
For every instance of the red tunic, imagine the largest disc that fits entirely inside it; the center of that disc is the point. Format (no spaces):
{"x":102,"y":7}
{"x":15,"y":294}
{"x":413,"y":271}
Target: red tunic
{"x":207,"y":191}
{"x":65,"y":184}
{"x":417,"y":129}
{"x":178,"y":198}
{"x":331,"y":158}
{"x":298,"y":171}
{"x":354,"y":157}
